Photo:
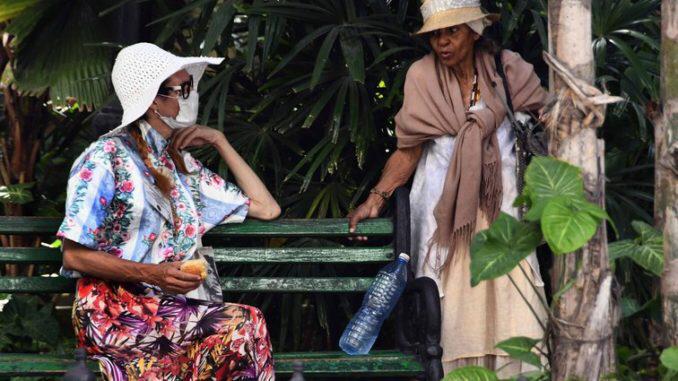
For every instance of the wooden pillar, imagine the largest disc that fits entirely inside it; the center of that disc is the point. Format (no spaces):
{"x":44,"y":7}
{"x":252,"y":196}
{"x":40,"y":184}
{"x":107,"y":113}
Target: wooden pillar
{"x":582,"y":338}
{"x":666,"y":168}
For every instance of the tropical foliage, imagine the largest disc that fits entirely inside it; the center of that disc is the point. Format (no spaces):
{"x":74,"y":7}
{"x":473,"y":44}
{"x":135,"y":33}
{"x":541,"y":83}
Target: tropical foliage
{"x":559,"y":212}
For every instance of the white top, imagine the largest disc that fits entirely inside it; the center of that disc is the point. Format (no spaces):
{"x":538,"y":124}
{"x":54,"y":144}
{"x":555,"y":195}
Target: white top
{"x":428,"y":186}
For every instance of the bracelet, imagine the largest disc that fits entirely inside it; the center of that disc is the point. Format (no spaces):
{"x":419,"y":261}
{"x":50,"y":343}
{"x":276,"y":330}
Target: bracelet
{"x":383,"y":195}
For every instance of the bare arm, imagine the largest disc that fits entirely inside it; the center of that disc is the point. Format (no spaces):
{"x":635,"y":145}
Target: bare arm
{"x":263,"y":206}
{"x":397,"y":171}
{"x":105,"y":266}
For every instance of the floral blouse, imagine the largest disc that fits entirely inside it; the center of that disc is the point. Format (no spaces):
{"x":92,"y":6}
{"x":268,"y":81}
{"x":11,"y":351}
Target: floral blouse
{"x":113,"y":205}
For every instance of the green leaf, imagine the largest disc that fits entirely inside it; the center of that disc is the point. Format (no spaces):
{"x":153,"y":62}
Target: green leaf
{"x":647,"y":250}
{"x":647,"y":232}
{"x":16,"y":193}
{"x":180,"y":12}
{"x":547,"y":178}
{"x":522,"y":199}
{"x":253,"y":23}
{"x":81,"y":69}
{"x":338,"y":111}
{"x":669,"y":358}
{"x":320,"y":104}
{"x":629,"y":306}
{"x":520,"y":348}
{"x":471,"y":373}
{"x":354,"y":109}
{"x":633,"y":33}
{"x":387,"y":53}
{"x":567,"y":225}
{"x":621,"y":249}
{"x":11,"y":8}
{"x":24,"y":317}
{"x":499,"y":249}
{"x":323,"y":55}
{"x":218,"y":22}
{"x":275,"y":26}
{"x":352,"y":48}
{"x":598,"y":212}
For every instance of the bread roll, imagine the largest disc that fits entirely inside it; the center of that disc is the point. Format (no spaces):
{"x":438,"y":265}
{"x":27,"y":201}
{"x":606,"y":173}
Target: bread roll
{"x":195,"y":266}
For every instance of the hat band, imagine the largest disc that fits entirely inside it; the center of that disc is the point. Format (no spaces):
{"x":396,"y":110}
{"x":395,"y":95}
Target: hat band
{"x":430,"y":7}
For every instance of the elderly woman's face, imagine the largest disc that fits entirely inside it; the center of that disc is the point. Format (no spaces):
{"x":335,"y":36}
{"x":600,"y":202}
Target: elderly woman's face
{"x":168,"y":105}
{"x":453,"y":44}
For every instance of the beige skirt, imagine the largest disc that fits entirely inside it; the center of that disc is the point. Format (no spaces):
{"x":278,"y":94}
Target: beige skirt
{"x":475,"y":319}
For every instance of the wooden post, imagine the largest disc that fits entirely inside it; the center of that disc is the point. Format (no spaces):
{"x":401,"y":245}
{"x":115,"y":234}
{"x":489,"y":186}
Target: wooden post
{"x":583,"y":336}
{"x":666,"y":168}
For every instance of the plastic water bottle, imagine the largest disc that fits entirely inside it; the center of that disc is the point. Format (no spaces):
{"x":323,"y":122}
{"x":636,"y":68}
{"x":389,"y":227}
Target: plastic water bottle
{"x":79,"y":371}
{"x":379,"y":301}
{"x":298,"y":368}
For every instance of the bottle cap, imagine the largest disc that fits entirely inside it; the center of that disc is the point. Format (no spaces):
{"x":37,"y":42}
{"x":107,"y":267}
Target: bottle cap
{"x":404,"y":257}
{"x":80,"y":354}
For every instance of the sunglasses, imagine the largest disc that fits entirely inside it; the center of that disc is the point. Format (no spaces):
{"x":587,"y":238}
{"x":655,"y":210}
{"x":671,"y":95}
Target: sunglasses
{"x":184,"y":89}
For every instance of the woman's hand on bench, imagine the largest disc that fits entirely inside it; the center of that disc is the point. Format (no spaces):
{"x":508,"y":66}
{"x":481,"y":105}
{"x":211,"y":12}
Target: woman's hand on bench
{"x":371,"y":208}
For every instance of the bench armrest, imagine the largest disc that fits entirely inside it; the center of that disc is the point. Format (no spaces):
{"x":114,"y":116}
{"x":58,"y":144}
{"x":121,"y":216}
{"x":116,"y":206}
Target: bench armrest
{"x":418,"y":325}
{"x":418,"y":319}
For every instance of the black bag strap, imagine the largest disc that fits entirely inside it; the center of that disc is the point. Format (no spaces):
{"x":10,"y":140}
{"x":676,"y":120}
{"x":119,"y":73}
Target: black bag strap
{"x":521,"y":157}
{"x":500,"y":70}
{"x":506,"y":99}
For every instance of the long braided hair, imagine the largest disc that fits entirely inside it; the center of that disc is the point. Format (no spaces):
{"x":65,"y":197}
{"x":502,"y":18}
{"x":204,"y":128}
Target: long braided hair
{"x":163,"y":180}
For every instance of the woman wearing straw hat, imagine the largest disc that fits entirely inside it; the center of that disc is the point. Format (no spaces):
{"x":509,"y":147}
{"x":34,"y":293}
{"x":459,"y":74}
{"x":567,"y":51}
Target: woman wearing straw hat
{"x":454,"y":136}
{"x":136,"y":209}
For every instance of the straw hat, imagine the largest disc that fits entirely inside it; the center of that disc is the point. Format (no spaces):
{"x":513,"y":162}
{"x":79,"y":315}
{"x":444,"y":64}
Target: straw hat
{"x":438,"y":14}
{"x":140,"y":69}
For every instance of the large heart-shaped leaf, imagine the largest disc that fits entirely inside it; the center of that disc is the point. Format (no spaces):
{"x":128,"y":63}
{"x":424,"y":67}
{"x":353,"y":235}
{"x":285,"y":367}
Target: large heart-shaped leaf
{"x":471,"y":373}
{"x":499,"y":249}
{"x":669,"y":358}
{"x":23,"y":317}
{"x":520,"y":348}
{"x":567,"y":224}
{"x":647,"y":250}
{"x":547,"y":178}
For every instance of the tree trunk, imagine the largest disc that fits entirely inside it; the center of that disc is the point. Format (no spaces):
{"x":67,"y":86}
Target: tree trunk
{"x":583,"y":330}
{"x":666,"y":168}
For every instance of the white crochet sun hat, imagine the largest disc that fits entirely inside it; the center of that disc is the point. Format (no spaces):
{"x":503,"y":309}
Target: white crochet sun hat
{"x":140,"y":69}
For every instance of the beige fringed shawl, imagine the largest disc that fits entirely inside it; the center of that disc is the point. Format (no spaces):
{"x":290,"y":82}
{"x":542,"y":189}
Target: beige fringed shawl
{"x":433,"y":107}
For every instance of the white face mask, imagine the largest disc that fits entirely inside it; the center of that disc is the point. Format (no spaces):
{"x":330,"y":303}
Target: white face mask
{"x":188,"y":112}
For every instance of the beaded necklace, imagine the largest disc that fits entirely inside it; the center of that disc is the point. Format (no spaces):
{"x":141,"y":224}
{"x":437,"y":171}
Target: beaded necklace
{"x":475,"y":92}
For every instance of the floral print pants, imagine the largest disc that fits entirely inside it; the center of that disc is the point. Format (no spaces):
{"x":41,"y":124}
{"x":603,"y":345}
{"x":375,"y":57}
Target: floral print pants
{"x":168,"y":337}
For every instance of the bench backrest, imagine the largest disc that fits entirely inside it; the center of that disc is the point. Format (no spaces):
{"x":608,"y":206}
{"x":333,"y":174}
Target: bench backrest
{"x":335,"y":228}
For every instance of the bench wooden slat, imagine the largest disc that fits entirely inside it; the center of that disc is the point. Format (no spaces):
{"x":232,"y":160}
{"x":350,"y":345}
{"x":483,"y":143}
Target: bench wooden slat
{"x":37,"y":285}
{"x":303,"y":254}
{"x":27,"y":255}
{"x":343,"y":284}
{"x":330,"y":227}
{"x":45,"y":255}
{"x":327,"y":364}
{"x":375,"y":364}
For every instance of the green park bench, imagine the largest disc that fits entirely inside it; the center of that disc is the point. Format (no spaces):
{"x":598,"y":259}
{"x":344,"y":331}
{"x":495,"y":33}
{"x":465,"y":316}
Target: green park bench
{"x":417,"y":316}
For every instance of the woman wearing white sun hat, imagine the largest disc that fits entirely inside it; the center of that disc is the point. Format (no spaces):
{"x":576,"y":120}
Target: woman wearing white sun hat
{"x":136,"y":209}
{"x":454,"y":136}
